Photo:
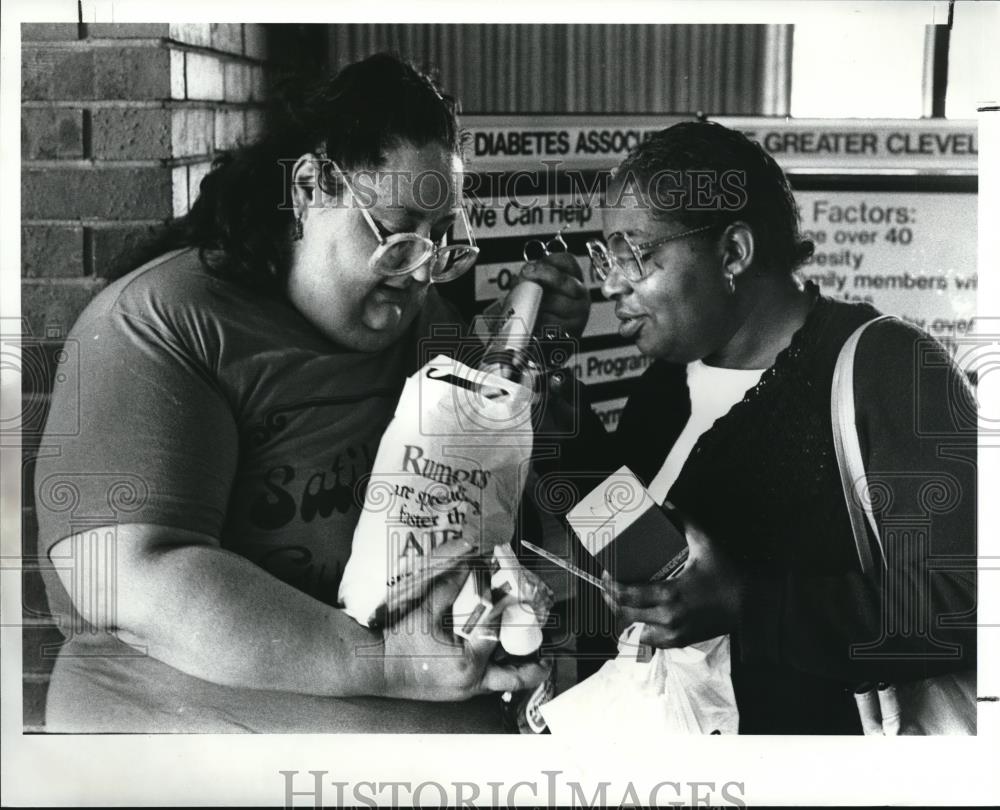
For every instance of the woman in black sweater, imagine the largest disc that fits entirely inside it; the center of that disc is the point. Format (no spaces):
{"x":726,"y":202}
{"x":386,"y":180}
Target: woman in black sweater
{"x":732,"y":425}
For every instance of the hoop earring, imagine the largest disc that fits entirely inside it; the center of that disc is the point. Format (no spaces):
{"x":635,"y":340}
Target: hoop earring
{"x":297,"y":229}
{"x":731,"y":282}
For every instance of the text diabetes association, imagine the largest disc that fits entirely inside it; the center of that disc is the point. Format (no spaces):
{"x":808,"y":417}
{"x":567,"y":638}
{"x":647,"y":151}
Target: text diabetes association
{"x":542,"y":143}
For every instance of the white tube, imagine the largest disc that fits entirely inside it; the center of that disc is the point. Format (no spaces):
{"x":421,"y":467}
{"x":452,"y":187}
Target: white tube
{"x":888,"y":702}
{"x":519,"y":630}
{"x":868,"y":710}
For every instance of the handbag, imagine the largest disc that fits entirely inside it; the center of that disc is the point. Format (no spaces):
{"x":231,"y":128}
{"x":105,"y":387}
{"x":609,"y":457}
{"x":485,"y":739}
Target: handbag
{"x":944,"y":704}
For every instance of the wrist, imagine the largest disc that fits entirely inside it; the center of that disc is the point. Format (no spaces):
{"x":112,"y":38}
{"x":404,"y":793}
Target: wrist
{"x":371,"y":658}
{"x":356,"y":661}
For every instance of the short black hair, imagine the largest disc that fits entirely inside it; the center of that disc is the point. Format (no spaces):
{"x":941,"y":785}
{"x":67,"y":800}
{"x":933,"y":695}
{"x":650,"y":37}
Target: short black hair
{"x":741,"y":181}
{"x":241,"y":220}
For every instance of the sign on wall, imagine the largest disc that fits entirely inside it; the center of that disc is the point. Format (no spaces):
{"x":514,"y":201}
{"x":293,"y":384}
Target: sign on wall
{"x":862,"y":145}
{"x":513,"y":143}
{"x":903,"y":253}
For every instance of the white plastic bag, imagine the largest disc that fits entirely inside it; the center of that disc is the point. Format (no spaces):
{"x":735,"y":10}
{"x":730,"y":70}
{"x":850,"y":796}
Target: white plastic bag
{"x":447,"y":479}
{"x":686,"y":690}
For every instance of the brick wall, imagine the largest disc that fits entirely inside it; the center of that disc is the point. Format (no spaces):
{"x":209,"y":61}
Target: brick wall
{"x":119,"y":123}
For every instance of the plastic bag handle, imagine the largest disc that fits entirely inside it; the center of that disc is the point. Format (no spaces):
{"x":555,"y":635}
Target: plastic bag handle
{"x":629,"y":645}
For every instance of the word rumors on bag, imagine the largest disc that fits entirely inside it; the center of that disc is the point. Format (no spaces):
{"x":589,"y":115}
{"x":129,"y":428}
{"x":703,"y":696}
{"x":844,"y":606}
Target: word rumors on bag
{"x":414,"y":461}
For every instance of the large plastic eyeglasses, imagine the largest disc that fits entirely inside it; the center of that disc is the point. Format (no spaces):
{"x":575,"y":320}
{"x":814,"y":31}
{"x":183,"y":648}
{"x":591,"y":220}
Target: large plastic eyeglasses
{"x":626,"y":256}
{"x":402,"y":253}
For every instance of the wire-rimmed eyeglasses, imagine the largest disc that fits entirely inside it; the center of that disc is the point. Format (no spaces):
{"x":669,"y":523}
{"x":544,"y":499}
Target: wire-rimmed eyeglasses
{"x":623,"y":254}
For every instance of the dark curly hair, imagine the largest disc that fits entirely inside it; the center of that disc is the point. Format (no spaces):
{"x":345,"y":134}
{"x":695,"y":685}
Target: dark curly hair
{"x":733,"y":178}
{"x":241,"y":222}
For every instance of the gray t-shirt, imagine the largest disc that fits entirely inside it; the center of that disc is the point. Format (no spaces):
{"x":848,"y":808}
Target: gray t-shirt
{"x":200,"y":405}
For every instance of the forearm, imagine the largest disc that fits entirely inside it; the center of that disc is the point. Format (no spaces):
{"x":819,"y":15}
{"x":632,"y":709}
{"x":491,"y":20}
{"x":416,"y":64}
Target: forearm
{"x":217,"y":616}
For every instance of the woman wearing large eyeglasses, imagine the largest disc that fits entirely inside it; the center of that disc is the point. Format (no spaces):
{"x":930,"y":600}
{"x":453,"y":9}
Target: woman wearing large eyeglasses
{"x":732,"y":425}
{"x":229,"y":402}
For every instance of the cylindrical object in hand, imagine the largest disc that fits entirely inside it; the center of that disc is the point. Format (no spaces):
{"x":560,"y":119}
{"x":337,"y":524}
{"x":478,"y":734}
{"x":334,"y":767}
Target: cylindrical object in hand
{"x":519,"y":316}
{"x":519,"y":630}
{"x":507,"y":354}
{"x":869,"y":711}
{"x":888,"y":702}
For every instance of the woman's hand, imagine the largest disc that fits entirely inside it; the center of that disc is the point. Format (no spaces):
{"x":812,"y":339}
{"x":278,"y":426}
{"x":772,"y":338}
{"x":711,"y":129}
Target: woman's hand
{"x":424,"y":661}
{"x":701,"y":602}
{"x":566,"y":301}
